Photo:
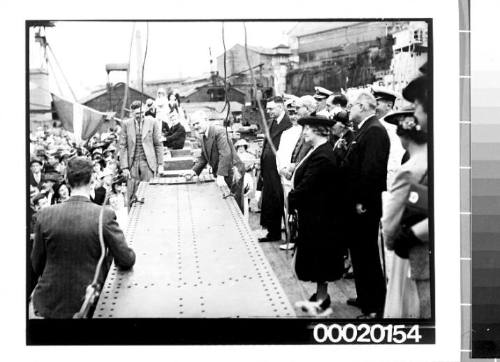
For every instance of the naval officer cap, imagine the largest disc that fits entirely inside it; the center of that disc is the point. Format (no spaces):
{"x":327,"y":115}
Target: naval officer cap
{"x":321,"y":93}
{"x":381,"y":93}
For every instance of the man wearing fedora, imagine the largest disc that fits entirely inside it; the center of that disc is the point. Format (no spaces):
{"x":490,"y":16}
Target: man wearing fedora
{"x":365,"y":172}
{"x":141,"y":150}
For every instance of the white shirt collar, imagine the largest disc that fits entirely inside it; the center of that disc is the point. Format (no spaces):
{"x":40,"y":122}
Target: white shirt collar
{"x":280,"y":117}
{"x":206,"y":131}
{"x":364,"y":120}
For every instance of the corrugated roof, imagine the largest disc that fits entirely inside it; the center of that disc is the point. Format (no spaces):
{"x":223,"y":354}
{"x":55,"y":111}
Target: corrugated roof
{"x":100,"y":91}
{"x":305,"y":27}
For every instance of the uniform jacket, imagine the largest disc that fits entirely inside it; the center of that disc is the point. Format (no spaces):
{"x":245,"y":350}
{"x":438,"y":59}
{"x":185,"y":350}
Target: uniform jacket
{"x":66,"y":251}
{"x":216,"y":151}
{"x":365,"y":166}
{"x":151,"y":142}
{"x":176,"y":137}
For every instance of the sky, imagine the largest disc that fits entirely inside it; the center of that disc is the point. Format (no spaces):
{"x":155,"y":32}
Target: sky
{"x":175,"y":49}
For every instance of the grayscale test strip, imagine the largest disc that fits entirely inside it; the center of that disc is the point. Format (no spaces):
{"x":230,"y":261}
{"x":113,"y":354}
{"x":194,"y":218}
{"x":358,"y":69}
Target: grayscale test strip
{"x":196,"y":257}
{"x":465,"y":177}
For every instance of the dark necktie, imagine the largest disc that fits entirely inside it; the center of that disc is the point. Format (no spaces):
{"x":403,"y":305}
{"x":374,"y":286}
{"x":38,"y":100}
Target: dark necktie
{"x":296,"y":150}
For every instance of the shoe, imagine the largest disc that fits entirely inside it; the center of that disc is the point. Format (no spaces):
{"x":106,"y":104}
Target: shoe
{"x":372,"y":315}
{"x":314,"y":308}
{"x":269,"y":238}
{"x":324,"y":304}
{"x":353,"y":302}
{"x":289,"y":246}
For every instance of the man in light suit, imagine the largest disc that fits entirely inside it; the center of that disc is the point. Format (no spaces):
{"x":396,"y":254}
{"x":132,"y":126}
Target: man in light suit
{"x":141,"y":150}
{"x":66,"y":249}
{"x":365,"y":171}
{"x":218,"y":152}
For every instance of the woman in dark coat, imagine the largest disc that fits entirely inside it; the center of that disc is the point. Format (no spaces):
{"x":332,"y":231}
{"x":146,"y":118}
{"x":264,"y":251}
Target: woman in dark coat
{"x":319,"y":254}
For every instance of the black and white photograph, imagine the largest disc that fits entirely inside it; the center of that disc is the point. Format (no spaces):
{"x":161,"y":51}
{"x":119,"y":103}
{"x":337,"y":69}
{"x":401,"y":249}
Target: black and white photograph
{"x":203,"y":172}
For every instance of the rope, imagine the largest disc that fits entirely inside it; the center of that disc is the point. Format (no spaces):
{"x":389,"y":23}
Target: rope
{"x":60,"y":69}
{"x":143,"y":65}
{"x":226,"y":102}
{"x":55,"y":78}
{"x":254,"y":84}
{"x":125,"y":96}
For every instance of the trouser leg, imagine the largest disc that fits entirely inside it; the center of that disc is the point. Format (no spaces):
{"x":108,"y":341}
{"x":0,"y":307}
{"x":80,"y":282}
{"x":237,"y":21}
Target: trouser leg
{"x":145,"y":173}
{"x":368,"y":275}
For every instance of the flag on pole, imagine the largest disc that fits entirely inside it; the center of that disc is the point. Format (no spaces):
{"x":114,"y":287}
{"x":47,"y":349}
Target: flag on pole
{"x":79,"y":119}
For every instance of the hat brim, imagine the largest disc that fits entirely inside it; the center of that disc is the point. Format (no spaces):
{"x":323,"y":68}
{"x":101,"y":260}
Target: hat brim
{"x":394,"y":117}
{"x":416,"y":89}
{"x":36,"y":161}
{"x":316,"y":121}
{"x":319,"y":98}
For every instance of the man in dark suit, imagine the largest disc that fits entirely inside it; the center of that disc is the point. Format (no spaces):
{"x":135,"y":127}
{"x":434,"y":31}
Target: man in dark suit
{"x":36,"y":175}
{"x":272,"y":190}
{"x":66,"y":249}
{"x":365,"y":169}
{"x":218,"y":152}
{"x":141,"y":150}
{"x":176,"y":135}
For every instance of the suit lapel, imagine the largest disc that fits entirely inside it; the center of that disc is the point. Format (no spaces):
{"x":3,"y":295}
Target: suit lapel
{"x":282,"y":126}
{"x":145,"y":128}
{"x":131,"y":129}
{"x":210,"y":141}
{"x":365,"y":126}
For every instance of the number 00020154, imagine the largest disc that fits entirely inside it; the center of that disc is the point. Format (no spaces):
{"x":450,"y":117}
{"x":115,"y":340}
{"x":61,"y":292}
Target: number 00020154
{"x":365,"y":333}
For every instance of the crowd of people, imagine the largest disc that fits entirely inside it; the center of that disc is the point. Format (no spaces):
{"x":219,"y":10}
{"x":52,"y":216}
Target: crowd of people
{"x":325,"y":164}
{"x":121,"y":157}
{"x":341,"y":170}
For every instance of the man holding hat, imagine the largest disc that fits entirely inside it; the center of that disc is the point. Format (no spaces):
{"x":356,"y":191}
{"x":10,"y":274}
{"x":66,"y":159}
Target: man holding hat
{"x":141,"y":151}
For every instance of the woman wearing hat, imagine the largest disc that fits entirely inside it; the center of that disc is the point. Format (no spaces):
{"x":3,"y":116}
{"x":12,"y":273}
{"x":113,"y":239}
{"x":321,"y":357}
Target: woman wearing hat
{"x":404,"y":208}
{"x":117,"y":200}
{"x":318,"y":258}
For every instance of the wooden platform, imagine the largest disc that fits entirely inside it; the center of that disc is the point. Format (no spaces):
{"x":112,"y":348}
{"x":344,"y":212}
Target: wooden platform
{"x":296,"y":290}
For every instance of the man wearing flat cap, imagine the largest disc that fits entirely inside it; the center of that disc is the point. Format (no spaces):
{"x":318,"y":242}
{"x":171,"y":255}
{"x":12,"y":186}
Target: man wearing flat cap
{"x":141,"y":150}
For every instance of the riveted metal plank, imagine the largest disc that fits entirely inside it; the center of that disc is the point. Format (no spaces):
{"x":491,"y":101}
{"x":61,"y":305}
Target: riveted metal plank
{"x":196,"y":258}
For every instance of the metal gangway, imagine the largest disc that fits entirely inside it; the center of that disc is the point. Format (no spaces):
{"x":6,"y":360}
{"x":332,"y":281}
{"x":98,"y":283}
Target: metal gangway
{"x":196,"y":258}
